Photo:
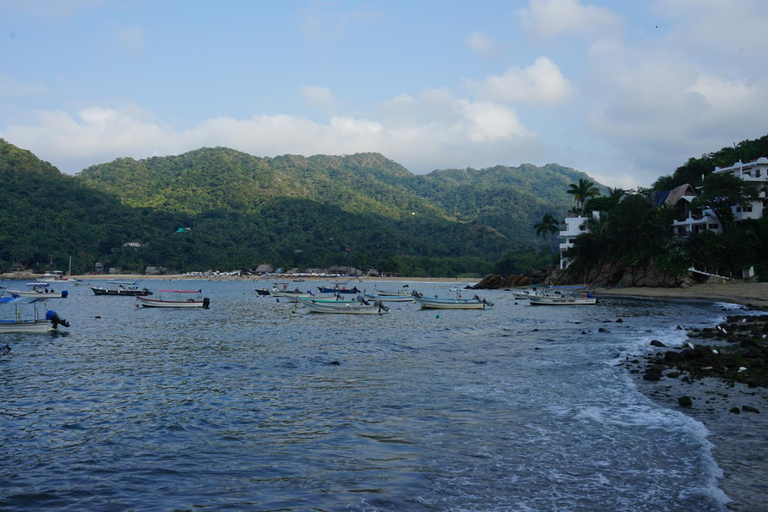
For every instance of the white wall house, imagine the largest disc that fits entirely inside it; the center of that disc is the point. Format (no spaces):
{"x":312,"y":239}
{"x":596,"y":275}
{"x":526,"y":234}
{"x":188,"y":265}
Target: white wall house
{"x":755,"y":173}
{"x":574,"y":226}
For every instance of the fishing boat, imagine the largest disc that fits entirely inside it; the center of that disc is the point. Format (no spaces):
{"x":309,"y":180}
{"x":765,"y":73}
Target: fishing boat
{"x":175,"y":299}
{"x":289,"y":294}
{"x":18,"y":324}
{"x":38,"y":291}
{"x":262,"y":291}
{"x":53,"y":276}
{"x":337,"y":289}
{"x":450,"y":303}
{"x":390,"y":296}
{"x":121,"y":288}
{"x":344,"y":307}
{"x":585,"y":299}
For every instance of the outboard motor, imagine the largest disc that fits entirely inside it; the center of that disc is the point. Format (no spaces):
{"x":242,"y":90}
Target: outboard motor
{"x":381,"y":306}
{"x":55,"y":319}
{"x":64,"y":294}
{"x":206,"y":302}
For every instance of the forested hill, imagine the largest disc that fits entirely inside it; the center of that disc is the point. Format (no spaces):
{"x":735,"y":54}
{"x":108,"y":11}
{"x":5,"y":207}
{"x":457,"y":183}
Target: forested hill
{"x":365,"y":183}
{"x":362,"y":210}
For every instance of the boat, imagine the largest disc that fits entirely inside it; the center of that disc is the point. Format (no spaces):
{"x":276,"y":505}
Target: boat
{"x":122,"y":288}
{"x":38,"y":291}
{"x":390,"y":296}
{"x":175,"y":299}
{"x":344,"y":307}
{"x":338,"y":289}
{"x":49,"y":323}
{"x":262,"y":291}
{"x":451,"y":303}
{"x":290,"y":294}
{"x":584,"y":299}
{"x":53,"y":276}
{"x":525,"y":294}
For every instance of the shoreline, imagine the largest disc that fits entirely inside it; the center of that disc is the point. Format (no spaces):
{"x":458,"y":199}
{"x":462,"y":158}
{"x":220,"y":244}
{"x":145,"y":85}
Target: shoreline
{"x":746,"y":294}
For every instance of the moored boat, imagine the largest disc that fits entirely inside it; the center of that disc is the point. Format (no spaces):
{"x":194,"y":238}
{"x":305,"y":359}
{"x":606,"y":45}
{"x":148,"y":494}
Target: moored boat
{"x":18,"y":324}
{"x":337,"y":289}
{"x":38,"y":291}
{"x":585,"y":299}
{"x":175,"y":299}
{"x":344,"y":307}
{"x":121,"y":288}
{"x":451,"y":303}
{"x":385,"y":296}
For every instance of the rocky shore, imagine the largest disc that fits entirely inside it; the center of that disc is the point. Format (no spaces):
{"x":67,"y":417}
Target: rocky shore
{"x":719,"y":376}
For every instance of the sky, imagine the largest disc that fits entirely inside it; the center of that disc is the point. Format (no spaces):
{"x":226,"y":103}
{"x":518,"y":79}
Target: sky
{"x":625,"y":91}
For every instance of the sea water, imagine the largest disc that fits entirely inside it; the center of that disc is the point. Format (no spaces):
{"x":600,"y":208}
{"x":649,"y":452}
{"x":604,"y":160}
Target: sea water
{"x":256,"y":404}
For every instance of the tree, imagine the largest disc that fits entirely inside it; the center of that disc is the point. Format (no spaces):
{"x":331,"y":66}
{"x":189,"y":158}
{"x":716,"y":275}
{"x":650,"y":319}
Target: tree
{"x":721,"y":193}
{"x":549,"y":225}
{"x":582,"y":191}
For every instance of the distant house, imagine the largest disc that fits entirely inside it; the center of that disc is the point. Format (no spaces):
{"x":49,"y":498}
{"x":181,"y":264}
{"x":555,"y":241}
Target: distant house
{"x":265,"y":268}
{"x":754,"y":172}
{"x":343,"y":270}
{"x":132,"y":244}
{"x":98,"y":268}
{"x":574,"y":226}
{"x":687,"y":220}
{"x":154,"y":271}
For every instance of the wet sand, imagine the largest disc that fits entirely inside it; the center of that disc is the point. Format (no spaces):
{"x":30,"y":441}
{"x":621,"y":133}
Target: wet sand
{"x":755,"y":294}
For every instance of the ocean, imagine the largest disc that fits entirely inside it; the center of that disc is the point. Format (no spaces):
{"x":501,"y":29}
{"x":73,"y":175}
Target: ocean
{"x":255,"y":404}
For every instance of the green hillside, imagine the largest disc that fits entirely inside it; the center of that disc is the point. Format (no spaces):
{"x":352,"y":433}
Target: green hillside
{"x":362,"y":210}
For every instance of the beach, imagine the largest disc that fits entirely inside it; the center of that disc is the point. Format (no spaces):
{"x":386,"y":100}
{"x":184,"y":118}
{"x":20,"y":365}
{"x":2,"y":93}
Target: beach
{"x":755,"y":294}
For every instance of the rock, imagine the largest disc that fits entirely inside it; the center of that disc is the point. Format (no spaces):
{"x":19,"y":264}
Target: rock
{"x":657,"y":343}
{"x":685,"y":401}
{"x":747,"y":408}
{"x":653,"y":377}
{"x":734,"y":410}
{"x":672,"y":356}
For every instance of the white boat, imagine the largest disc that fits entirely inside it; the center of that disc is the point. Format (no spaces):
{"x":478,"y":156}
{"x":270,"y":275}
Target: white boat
{"x":175,"y":299}
{"x":53,"y":276}
{"x":390,"y":296}
{"x":291,"y":294}
{"x":448,"y":303}
{"x":585,"y":299}
{"x":38,"y":291}
{"x":344,"y":307}
{"x":18,"y":324}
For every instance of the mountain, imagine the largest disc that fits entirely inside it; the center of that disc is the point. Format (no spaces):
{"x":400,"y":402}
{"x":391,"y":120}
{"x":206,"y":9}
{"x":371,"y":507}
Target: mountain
{"x":362,"y":210}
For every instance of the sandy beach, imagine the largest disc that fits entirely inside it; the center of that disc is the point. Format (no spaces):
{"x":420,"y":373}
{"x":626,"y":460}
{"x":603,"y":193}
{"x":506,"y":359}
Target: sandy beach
{"x":754,"y":294}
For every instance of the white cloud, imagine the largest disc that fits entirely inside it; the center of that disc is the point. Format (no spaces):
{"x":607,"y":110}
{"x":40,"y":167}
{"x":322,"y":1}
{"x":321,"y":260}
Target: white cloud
{"x":483,"y":44}
{"x":411,"y":131}
{"x":549,"y":18}
{"x":130,"y":39}
{"x":319,"y":97}
{"x":540,"y":83}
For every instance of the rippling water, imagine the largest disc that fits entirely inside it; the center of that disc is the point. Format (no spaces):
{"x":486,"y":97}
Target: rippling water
{"x":254,"y":405}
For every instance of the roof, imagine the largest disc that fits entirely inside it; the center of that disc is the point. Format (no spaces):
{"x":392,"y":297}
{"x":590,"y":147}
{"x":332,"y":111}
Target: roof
{"x":671,"y":197}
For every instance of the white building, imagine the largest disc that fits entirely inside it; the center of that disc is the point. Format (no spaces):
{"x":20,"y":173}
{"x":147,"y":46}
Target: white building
{"x":756,"y":173}
{"x":574,"y":226}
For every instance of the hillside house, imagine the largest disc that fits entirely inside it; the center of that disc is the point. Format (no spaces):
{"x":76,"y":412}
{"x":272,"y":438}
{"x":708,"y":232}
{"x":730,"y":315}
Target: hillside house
{"x":754,"y":172}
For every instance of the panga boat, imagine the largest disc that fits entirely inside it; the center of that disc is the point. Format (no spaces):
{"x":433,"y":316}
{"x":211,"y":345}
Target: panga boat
{"x":18,"y":324}
{"x":343,"y":307}
{"x":175,"y":299}
{"x":562,"y":300}
{"x":38,"y":291}
{"x":390,"y":296}
{"x":123,"y":288}
{"x":448,"y":303}
{"x":337,"y":289}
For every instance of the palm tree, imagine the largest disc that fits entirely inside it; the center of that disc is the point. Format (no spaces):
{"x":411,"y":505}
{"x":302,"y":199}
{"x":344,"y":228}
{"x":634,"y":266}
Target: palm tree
{"x":582,"y":191}
{"x":549,"y":225}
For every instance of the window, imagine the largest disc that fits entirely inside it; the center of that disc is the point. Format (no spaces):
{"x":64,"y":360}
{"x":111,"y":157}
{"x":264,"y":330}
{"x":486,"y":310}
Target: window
{"x":713,"y":226}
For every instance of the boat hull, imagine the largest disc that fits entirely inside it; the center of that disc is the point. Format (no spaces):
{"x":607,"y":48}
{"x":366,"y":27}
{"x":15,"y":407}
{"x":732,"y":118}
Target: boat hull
{"x":562,"y":301}
{"x":450,"y":303}
{"x":345,"y":308}
{"x":155,"y":303}
{"x":122,"y":293}
{"x":390,"y":298}
{"x":31,"y":326}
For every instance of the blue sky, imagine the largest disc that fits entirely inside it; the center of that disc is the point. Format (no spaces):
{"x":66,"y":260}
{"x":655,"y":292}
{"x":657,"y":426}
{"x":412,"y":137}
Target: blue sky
{"x":624,"y":91}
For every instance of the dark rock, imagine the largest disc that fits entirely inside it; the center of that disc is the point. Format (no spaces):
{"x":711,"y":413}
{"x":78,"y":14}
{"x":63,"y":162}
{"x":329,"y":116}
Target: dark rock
{"x":619,"y":321}
{"x":657,"y":343}
{"x":735,"y":410}
{"x":672,"y":356}
{"x":747,"y":408}
{"x":602,"y":330}
{"x":653,"y":377}
{"x":685,"y":401}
